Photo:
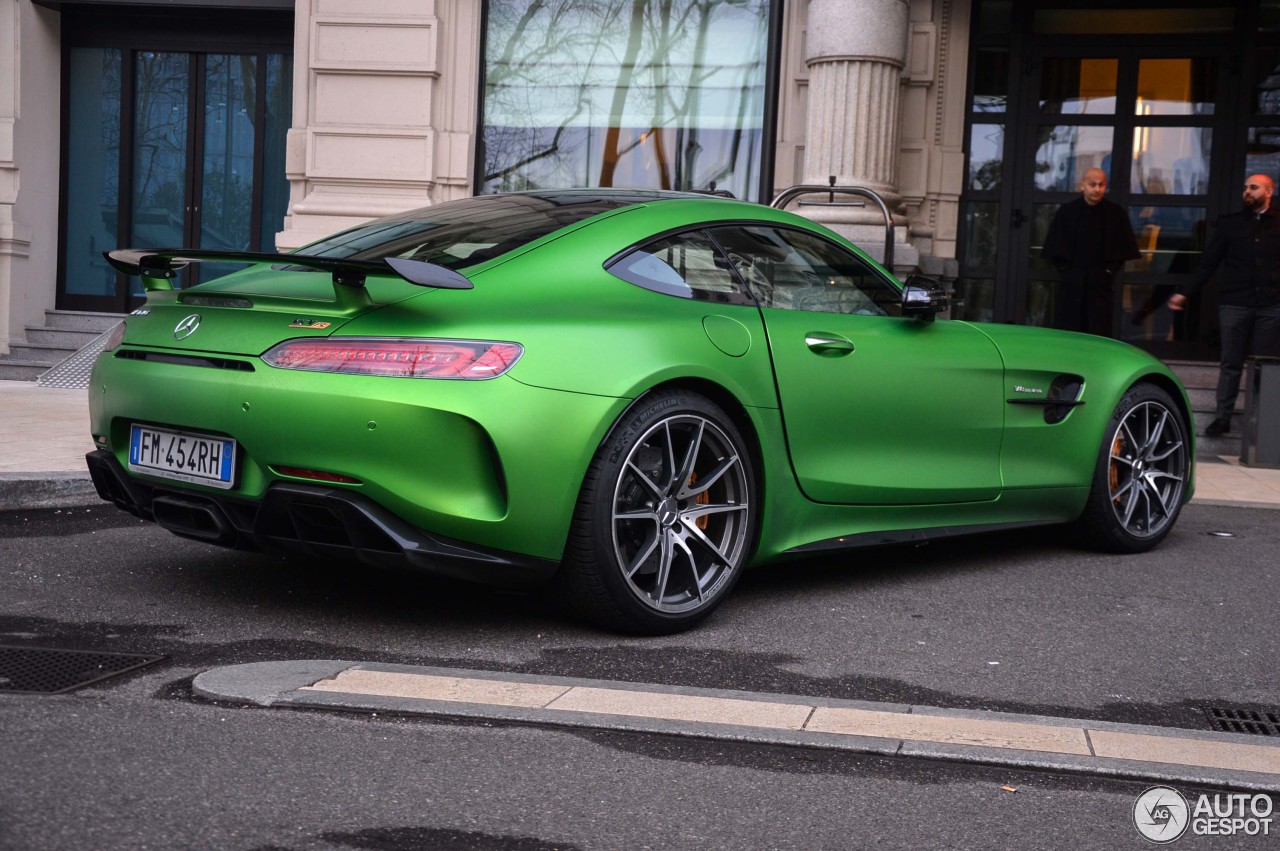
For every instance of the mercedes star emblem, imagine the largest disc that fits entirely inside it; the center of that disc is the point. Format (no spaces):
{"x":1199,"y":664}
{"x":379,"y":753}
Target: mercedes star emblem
{"x":186,"y":327}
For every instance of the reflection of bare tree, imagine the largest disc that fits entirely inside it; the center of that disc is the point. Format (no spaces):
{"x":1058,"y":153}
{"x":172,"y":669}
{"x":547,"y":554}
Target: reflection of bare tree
{"x":160,"y":127}
{"x":533,"y":40}
{"x":622,"y":91}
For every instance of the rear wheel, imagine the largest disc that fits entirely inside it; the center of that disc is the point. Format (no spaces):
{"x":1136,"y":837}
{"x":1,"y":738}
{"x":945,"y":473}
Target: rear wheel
{"x":1141,"y":474}
{"x":664,"y":523}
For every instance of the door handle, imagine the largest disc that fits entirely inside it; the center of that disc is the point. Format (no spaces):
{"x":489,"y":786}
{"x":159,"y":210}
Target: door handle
{"x":828,"y":345}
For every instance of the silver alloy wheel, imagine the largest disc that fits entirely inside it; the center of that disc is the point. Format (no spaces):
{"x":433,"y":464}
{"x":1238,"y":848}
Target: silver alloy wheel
{"x":680,"y":513}
{"x":1147,"y":470}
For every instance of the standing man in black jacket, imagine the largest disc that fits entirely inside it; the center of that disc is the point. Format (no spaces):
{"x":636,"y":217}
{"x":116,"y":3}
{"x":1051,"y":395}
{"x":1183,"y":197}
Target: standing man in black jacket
{"x":1247,"y":247}
{"x":1089,"y":239}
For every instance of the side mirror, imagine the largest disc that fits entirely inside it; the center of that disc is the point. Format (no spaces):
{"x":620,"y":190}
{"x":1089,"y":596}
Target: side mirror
{"x":923,"y":298}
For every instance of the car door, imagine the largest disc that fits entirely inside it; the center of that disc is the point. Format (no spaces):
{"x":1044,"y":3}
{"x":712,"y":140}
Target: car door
{"x":879,"y":409}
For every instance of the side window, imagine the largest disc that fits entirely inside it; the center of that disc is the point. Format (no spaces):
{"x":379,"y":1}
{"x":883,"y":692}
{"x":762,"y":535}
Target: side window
{"x":793,"y":270}
{"x":686,"y":265}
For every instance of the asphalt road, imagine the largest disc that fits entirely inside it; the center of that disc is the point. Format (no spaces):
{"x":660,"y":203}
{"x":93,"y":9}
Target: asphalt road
{"x":1022,"y":623}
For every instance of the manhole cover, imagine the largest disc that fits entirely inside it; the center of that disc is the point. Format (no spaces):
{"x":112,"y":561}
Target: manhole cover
{"x":44,"y":670}
{"x":1257,"y":722}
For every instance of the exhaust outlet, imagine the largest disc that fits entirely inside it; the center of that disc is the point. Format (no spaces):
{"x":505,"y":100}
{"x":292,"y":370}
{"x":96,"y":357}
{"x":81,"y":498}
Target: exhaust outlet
{"x":193,"y":518}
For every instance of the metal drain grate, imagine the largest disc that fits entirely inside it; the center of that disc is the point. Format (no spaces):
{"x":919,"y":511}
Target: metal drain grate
{"x":1254,"y":722}
{"x":43,"y":670}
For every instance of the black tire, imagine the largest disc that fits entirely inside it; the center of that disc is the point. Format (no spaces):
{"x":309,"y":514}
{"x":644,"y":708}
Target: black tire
{"x":1141,"y":474}
{"x":653,"y":551}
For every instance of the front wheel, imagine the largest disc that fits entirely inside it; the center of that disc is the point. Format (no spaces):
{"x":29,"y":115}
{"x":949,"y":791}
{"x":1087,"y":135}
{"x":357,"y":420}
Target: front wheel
{"x":1141,"y":473}
{"x":665,"y":521}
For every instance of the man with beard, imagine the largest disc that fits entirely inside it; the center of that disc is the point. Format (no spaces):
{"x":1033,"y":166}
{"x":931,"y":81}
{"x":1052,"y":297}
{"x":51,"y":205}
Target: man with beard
{"x":1089,"y":239}
{"x":1247,"y":247}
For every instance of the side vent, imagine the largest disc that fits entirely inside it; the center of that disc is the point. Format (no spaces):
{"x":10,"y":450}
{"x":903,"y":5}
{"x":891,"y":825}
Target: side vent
{"x":1064,"y":394}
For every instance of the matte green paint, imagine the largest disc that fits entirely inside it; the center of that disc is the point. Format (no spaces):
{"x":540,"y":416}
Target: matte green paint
{"x":912,"y":415}
{"x":909,"y":430}
{"x":728,"y":335}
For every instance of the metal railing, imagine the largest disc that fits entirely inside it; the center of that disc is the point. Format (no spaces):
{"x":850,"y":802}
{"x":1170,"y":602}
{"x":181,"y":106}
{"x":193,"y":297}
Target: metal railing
{"x":786,"y":196}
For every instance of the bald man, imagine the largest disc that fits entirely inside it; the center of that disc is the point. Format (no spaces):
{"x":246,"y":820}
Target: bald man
{"x":1246,"y":245}
{"x":1089,"y":239}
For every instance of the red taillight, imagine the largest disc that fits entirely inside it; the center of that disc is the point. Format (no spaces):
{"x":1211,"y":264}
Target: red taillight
{"x":316,"y":475}
{"x":466,"y":359}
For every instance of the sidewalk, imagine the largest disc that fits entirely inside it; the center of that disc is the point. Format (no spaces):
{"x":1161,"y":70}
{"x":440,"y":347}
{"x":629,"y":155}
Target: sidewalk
{"x":45,"y":436}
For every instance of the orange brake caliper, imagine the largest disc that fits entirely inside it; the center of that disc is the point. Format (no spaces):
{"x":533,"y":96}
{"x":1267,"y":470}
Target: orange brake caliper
{"x":1116,"y":446}
{"x":703,"y":498}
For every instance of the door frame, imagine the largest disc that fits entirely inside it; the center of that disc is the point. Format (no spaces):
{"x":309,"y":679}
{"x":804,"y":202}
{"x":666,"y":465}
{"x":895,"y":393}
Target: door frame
{"x":197,"y":33}
{"x":1013,"y":272}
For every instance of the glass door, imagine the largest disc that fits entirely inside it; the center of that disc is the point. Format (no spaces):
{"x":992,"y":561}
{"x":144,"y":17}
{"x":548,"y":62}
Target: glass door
{"x":169,"y":149}
{"x":1148,"y":122}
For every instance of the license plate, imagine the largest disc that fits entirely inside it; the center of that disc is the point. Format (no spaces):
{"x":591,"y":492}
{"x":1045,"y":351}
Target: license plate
{"x":179,"y":455}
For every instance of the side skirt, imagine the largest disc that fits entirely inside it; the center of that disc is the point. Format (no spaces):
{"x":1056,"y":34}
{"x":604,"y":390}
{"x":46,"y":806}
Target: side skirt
{"x":906,"y":536}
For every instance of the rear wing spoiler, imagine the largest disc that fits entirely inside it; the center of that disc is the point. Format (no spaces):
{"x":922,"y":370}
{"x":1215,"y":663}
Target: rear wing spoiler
{"x":157,"y":266}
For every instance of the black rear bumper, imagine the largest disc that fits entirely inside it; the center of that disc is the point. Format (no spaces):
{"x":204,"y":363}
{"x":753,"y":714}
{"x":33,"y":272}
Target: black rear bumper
{"x":312,"y":519}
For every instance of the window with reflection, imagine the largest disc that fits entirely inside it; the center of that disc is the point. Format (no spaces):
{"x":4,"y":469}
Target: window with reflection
{"x":974,"y":300}
{"x":1263,"y":152}
{"x":667,"y":94}
{"x":1065,"y":151}
{"x":1075,"y":86}
{"x":1176,"y":86}
{"x":1041,"y":218}
{"x":991,"y":81}
{"x":1042,"y":304}
{"x":1170,"y":238}
{"x":1267,"y":84}
{"x":160,"y":130}
{"x":982,"y":234}
{"x":986,"y":156}
{"x":93,"y":169}
{"x":1171,"y":160}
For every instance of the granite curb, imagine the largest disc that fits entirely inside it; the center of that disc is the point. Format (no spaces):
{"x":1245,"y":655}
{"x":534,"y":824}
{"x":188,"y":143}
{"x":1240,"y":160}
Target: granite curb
{"x":289,"y":685}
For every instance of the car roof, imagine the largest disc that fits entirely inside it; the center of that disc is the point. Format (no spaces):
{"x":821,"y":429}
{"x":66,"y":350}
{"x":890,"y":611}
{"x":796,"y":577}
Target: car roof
{"x":471,"y":230}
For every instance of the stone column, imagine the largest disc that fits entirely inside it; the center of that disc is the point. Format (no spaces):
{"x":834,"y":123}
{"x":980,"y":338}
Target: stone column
{"x":15,"y":239}
{"x":855,"y":51}
{"x":29,"y":156}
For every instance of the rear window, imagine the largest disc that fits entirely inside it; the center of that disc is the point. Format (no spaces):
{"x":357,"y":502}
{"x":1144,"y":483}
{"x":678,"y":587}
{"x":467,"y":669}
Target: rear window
{"x":463,"y":233}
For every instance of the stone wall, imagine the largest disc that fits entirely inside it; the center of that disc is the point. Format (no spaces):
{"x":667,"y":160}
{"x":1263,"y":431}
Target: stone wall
{"x":384,"y":110}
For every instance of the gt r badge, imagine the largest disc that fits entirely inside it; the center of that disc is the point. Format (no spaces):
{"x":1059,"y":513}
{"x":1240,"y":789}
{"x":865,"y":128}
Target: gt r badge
{"x":308,"y":323}
{"x":186,"y":327}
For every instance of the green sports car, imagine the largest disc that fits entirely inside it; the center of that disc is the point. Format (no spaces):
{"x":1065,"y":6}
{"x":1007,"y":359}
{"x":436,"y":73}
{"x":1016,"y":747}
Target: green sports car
{"x":630,"y":395}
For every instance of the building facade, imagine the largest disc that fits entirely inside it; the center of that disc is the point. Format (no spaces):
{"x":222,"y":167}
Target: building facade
{"x":267,"y":124}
